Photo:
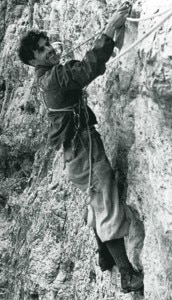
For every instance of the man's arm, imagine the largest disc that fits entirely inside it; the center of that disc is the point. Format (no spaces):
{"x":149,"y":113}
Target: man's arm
{"x":81,"y":73}
{"x":78,"y":74}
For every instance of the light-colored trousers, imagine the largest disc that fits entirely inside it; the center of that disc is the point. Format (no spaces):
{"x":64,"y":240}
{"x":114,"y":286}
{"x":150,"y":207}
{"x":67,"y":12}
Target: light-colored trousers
{"x":105,"y":212}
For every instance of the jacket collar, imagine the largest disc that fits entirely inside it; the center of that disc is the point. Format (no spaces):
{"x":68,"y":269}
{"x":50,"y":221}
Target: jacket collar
{"x":41,"y":70}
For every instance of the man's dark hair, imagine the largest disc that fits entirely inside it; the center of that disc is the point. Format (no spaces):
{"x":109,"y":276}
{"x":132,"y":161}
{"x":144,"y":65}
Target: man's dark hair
{"x":28,"y":43}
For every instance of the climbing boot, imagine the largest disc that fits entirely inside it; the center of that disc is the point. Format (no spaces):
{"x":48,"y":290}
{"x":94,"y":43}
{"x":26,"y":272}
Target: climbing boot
{"x":105,"y":260}
{"x":131,"y":280}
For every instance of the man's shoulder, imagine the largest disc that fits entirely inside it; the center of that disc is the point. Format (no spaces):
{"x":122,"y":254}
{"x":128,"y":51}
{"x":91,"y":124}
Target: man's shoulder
{"x":53,"y":77}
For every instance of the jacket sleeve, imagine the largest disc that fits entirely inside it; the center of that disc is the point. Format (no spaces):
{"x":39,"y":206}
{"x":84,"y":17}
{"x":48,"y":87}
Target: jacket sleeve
{"x":78,"y":74}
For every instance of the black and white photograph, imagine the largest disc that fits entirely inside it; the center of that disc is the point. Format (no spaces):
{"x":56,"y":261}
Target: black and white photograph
{"x":85,"y":150}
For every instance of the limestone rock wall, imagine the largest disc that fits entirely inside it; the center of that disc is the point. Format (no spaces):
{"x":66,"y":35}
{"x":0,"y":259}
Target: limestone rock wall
{"x":46,"y":250}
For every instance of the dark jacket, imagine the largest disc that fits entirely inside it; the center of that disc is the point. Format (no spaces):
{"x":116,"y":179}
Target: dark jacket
{"x":62,"y":87}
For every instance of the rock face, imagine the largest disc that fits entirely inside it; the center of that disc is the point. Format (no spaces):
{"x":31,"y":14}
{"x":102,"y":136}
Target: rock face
{"x":47,"y":252}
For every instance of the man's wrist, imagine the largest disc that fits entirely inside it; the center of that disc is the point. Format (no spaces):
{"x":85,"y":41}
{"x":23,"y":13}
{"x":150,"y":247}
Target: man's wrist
{"x":110,"y":30}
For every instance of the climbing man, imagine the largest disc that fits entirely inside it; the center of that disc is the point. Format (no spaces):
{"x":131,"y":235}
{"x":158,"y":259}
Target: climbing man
{"x":72,"y":125}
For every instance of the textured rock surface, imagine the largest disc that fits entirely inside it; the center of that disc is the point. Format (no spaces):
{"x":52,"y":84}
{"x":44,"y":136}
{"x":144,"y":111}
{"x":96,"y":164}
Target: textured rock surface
{"x":46,"y":250}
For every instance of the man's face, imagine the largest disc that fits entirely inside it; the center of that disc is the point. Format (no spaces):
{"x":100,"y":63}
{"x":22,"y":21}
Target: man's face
{"x":45,"y":55}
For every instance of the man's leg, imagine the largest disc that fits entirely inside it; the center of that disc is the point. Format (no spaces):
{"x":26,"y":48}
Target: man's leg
{"x":111,"y":219}
{"x":104,"y":202}
{"x":131,"y":280}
